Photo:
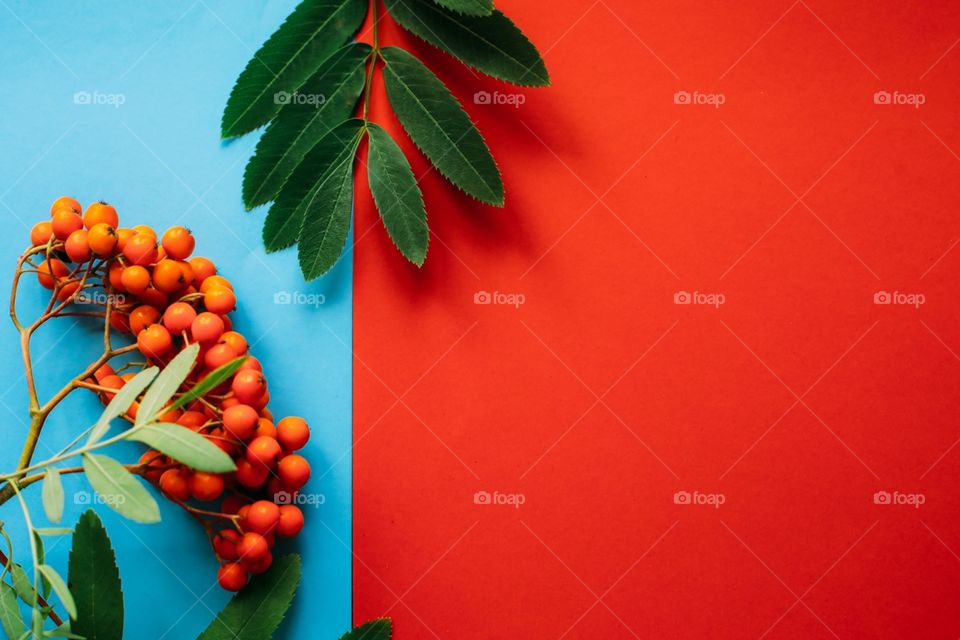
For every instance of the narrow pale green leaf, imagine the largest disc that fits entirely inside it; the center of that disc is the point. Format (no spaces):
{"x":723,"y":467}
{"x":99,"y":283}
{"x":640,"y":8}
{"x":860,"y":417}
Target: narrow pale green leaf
{"x":121,"y":402}
{"x":60,"y":588}
{"x":10,"y":612}
{"x":52,"y":494}
{"x":120,"y":489}
{"x":256,"y":612}
{"x":53,"y":531}
{"x":438,"y":125}
{"x":326,"y":217}
{"x":184,"y":445}
{"x":468,"y":7}
{"x":324,"y":101}
{"x":282,"y":226}
{"x":23,"y":585}
{"x":292,"y":54}
{"x":209,"y":382}
{"x":167,"y":384}
{"x":397,"y":196}
{"x":379,"y":629}
{"x":490,"y":43}
{"x":95,"y":582}
{"x":63,"y":631}
{"x":41,"y":559}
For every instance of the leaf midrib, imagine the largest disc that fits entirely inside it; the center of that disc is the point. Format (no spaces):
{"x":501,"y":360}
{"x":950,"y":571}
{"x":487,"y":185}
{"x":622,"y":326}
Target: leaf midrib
{"x":340,"y":189}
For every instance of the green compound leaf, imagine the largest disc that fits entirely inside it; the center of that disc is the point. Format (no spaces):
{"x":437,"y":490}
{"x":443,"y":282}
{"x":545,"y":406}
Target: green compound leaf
{"x":256,"y":612}
{"x":324,"y":101}
{"x":120,"y":489}
{"x":379,"y":629}
{"x":184,"y":445}
{"x":326,"y":216}
{"x":121,"y":402}
{"x":60,"y":588}
{"x":210,"y":382}
{"x":166,"y":384}
{"x":286,"y":216}
{"x":292,"y":54}
{"x":397,"y":196}
{"x":468,"y":7}
{"x":52,"y":494}
{"x":95,"y":582}
{"x":10,"y":612}
{"x":438,"y":125}
{"x":491,"y":43}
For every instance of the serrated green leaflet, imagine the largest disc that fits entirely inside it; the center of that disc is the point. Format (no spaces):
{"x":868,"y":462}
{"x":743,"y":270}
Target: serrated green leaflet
{"x":121,"y":402}
{"x":184,"y":445}
{"x":210,"y":381}
{"x":10,"y":612}
{"x":326,"y":216}
{"x":95,"y":582}
{"x":438,"y":125}
{"x":468,"y":7}
{"x":324,"y":101}
{"x":491,"y":43}
{"x":120,"y":489}
{"x":256,"y":612}
{"x":282,"y":226}
{"x":380,"y":629}
{"x":52,"y":494}
{"x":60,"y":588}
{"x":397,"y":196}
{"x":292,"y":54}
{"x":167,"y":384}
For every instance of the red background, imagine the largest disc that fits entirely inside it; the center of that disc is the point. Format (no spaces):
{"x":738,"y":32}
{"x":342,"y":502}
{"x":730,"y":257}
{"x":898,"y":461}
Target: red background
{"x":599,"y":398}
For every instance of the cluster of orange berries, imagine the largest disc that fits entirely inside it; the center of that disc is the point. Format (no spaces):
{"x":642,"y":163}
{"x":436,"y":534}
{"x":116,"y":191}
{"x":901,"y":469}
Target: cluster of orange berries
{"x":170,"y":300}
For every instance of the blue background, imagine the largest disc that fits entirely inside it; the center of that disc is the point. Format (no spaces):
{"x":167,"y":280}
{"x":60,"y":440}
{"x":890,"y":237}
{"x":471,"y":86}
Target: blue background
{"x":159,"y":159}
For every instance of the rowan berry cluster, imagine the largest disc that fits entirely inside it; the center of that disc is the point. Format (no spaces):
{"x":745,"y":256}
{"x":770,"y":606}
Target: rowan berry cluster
{"x":152,"y":288}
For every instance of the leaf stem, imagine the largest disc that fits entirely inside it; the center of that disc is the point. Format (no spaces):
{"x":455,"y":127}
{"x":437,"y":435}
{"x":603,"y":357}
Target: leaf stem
{"x":374,"y":55}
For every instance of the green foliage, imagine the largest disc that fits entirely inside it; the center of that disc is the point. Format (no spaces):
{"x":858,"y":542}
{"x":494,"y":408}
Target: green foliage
{"x":95,"y":582}
{"x":257,"y":611}
{"x":379,"y":629}
{"x":52,"y":495}
{"x":184,"y":445}
{"x":10,"y":612}
{"x":210,"y":382}
{"x":120,"y":489}
{"x":166,"y":384}
{"x":304,"y":161}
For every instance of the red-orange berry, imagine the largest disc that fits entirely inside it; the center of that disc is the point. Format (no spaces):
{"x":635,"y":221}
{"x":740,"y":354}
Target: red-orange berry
{"x":263,"y":450}
{"x":207,"y":328}
{"x":102,"y":238}
{"x":232,"y":576}
{"x":265,"y":427}
{"x":259,"y":565}
{"x":178,"y":242}
{"x":65,"y":222}
{"x":294,"y":471}
{"x":154,"y":341}
{"x":175,"y":485}
{"x":219,"y":355}
{"x":220,"y":300}
{"x":293,"y":432}
{"x":141,"y":249}
{"x":248,"y":386}
{"x":239,"y":421}
{"x":65,"y":202}
{"x":251,"y":475}
{"x":235,"y":340}
{"x":179,"y":317}
{"x":214,"y":281}
{"x":290,"y":522}
{"x":50,"y":271}
{"x":111,"y":382}
{"x":262,"y":517}
{"x":225,"y":543}
{"x":135,"y":279}
{"x":77,"y":247}
{"x":192,"y":419}
{"x":252,"y":546}
{"x":168,"y":276}
{"x":203,"y":268}
{"x":142,"y":317}
{"x":41,"y":232}
{"x":100,"y":212}
{"x":206,"y":487}
{"x":151,"y":459}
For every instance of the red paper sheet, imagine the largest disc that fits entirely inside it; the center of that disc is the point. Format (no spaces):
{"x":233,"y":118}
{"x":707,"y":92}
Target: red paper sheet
{"x":714,"y":469}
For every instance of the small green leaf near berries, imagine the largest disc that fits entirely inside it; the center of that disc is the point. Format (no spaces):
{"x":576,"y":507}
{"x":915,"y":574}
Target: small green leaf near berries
{"x":95,"y":582}
{"x":167,"y":384}
{"x":121,"y":490}
{"x":121,"y":402}
{"x":60,"y":588}
{"x":210,"y":382}
{"x":52,"y":494}
{"x":10,"y":612}
{"x":184,"y":445}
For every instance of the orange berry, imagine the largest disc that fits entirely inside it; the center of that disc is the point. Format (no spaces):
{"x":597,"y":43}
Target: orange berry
{"x":262,"y":517}
{"x":178,"y":242}
{"x":290,"y":522}
{"x":294,"y":471}
{"x":65,"y":222}
{"x":77,"y":246}
{"x":206,"y":487}
{"x":135,"y":279}
{"x":102,"y":238}
{"x":293,"y":432}
{"x":68,"y":289}
{"x":232,"y":576}
{"x":203,"y":268}
{"x":151,"y":459}
{"x":50,"y":271}
{"x":220,"y":300}
{"x":240,"y":420}
{"x":120,"y":321}
{"x":167,"y":276}
{"x":41,"y":232}
{"x":142,"y":317}
{"x":219,"y":355}
{"x":123,"y":235}
{"x":252,"y":546}
{"x":104,"y":371}
{"x":65,"y":202}
{"x":214,"y":281}
{"x":187,"y":271}
{"x":111,"y":382}
{"x":251,"y":364}
{"x":249,"y":386}
{"x":154,"y":341}
{"x":263,"y":450}
{"x":207,"y":328}
{"x":265,"y":427}
{"x":225,"y":542}
{"x":192,"y":419}
{"x":178,"y":317}
{"x":141,"y":249}
{"x":251,"y":475}
{"x":236,"y":341}
{"x":154,"y":298}
{"x":100,"y":212}
{"x":146,"y":229}
{"x":175,"y":485}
